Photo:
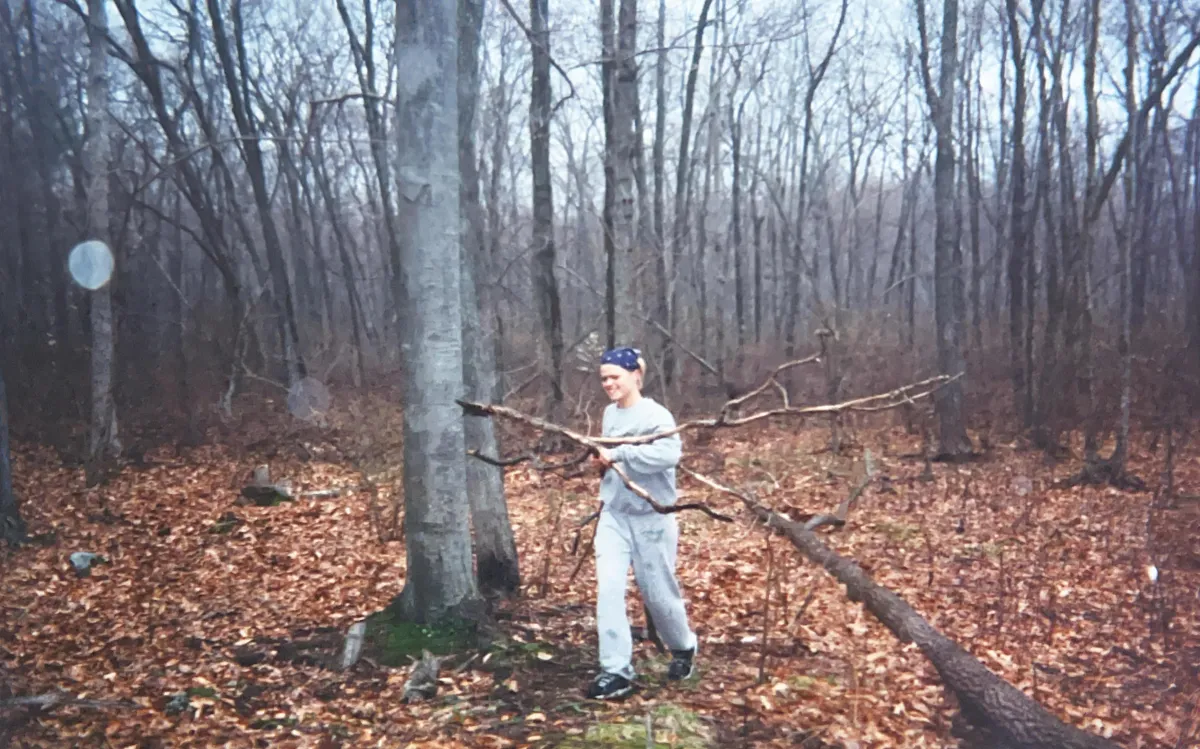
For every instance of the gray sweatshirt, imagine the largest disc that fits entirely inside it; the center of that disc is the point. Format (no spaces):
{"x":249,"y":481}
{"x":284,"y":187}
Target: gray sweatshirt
{"x":651,"y":466}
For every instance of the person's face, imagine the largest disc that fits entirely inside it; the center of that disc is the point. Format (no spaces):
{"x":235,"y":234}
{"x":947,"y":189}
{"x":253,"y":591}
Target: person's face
{"x":619,"y":383}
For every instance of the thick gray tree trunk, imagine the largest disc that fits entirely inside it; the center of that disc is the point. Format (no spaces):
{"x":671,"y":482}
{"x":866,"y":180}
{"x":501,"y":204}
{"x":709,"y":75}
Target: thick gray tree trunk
{"x":496,"y":565}
{"x":12,"y":527}
{"x":947,"y":259}
{"x":103,"y":443}
{"x":619,"y":153}
{"x":440,"y":578}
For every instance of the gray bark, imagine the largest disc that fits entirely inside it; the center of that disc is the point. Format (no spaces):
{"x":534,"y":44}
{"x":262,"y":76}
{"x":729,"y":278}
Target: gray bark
{"x":545,"y":287}
{"x":1126,"y":239}
{"x":12,"y":527}
{"x":440,"y":579}
{"x":1020,"y":228}
{"x":948,"y":266}
{"x":620,"y":152}
{"x":103,"y":443}
{"x":662,"y":266}
{"x":496,"y":563}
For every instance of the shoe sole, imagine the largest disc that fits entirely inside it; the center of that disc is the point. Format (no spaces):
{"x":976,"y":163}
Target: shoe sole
{"x":688,"y":675}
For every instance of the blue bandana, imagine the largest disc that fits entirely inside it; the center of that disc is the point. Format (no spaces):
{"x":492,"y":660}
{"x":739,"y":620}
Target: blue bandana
{"x":622,"y":356}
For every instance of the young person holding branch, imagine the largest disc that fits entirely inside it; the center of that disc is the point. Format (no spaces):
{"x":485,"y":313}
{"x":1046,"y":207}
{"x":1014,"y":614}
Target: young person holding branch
{"x":630,"y":531}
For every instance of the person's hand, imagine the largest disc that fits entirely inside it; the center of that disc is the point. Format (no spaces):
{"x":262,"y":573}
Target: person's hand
{"x":604,"y":456}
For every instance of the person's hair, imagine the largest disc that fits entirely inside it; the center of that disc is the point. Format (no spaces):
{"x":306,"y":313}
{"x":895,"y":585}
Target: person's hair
{"x":641,"y":372}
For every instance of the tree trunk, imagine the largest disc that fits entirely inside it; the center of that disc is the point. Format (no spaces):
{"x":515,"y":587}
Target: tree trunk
{"x":663,"y":267}
{"x":1126,"y":239}
{"x":948,"y":283}
{"x":799,"y":264}
{"x":620,"y":151}
{"x":998,"y":714}
{"x":364,"y":66}
{"x":497,"y":569}
{"x":679,"y":231}
{"x":440,"y":580}
{"x":12,"y":527}
{"x":235,"y":74}
{"x":489,"y":296}
{"x":103,"y":443}
{"x":545,"y":287}
{"x":1081,"y":278}
{"x":357,"y":317}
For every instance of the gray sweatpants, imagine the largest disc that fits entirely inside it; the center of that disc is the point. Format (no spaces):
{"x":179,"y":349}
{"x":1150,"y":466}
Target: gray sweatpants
{"x":650,"y":543}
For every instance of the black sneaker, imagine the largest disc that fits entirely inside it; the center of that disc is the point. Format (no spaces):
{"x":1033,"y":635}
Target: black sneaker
{"x":608,"y":686}
{"x":681,"y":665}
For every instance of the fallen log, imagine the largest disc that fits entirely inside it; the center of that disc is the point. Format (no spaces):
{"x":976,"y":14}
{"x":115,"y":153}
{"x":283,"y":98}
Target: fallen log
{"x":996,"y":714}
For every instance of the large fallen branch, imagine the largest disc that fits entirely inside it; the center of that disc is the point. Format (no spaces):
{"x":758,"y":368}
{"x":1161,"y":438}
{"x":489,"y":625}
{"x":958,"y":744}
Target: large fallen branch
{"x":592,"y":445}
{"x":999,"y":715}
{"x":879,"y":402}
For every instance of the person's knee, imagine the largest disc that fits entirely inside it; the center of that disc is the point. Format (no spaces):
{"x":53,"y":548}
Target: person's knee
{"x":610,"y":585}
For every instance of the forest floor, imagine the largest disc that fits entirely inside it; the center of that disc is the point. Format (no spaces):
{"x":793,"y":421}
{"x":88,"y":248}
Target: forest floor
{"x":240,"y":607}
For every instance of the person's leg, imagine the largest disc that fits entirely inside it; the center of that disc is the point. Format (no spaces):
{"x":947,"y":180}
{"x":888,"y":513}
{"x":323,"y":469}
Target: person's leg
{"x":655,"y":543}
{"x":613,"y":551}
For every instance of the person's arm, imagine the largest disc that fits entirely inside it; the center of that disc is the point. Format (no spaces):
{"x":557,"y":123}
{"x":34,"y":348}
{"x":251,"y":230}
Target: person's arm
{"x":655,"y":456}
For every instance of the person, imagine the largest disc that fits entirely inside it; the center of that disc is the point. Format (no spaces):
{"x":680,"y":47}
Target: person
{"x":631,"y":531}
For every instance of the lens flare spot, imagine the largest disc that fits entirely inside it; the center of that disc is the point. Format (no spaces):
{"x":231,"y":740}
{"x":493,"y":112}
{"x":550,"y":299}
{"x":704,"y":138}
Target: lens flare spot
{"x":91,"y":264}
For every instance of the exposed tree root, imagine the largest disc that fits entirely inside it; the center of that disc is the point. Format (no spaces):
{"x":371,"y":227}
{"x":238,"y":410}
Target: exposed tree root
{"x":1104,"y":473}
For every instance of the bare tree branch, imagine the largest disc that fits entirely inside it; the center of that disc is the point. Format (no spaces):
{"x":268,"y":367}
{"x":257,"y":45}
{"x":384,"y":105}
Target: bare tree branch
{"x":533,"y":40}
{"x":879,"y":402}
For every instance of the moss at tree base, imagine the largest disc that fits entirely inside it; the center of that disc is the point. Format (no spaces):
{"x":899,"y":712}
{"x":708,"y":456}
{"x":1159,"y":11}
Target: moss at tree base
{"x":392,"y":640}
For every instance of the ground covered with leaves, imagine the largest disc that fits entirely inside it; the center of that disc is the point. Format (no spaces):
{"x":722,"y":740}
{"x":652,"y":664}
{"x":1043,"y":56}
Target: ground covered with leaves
{"x":217,"y":620}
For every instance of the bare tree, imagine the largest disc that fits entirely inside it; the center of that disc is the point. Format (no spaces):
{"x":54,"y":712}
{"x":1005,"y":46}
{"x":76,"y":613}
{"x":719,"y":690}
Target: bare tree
{"x":621,"y":216}
{"x":103,"y":443}
{"x":497,"y":568}
{"x":363,"y":52}
{"x":948,"y":266}
{"x":545,"y":287}
{"x":1019,"y":229}
{"x":799,"y":264}
{"x":1126,"y":239}
{"x":679,"y":232}
{"x":12,"y":526}
{"x":440,"y":580}
{"x":236,"y":76}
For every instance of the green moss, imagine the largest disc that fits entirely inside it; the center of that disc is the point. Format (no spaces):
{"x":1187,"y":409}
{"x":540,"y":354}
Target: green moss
{"x":802,"y":683}
{"x":201,"y":692}
{"x":901,"y":533}
{"x":393,"y":641}
{"x":673,"y":727}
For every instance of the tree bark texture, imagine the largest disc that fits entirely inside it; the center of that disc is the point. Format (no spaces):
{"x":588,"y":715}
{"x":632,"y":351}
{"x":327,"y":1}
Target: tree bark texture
{"x":440,"y":576}
{"x":103,"y":443}
{"x":496,"y":564}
